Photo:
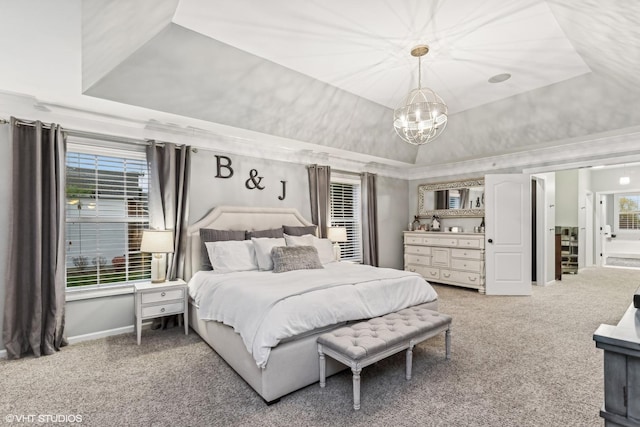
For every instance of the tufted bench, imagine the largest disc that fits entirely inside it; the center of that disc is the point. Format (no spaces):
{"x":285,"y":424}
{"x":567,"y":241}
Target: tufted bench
{"x":365,"y":343}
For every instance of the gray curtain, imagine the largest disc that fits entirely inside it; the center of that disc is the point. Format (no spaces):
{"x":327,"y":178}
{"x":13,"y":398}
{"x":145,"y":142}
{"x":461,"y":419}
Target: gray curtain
{"x":319,"y":192}
{"x":169,"y":168}
{"x":442,"y":199}
{"x":369,"y":219}
{"x":464,"y":198}
{"x":35,"y":287}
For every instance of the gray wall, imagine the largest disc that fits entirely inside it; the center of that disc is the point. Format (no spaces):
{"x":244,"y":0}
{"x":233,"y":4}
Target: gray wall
{"x":93,"y":315}
{"x":5,"y":194}
{"x":393,"y":214}
{"x":207,"y":191}
{"x":567,"y":198}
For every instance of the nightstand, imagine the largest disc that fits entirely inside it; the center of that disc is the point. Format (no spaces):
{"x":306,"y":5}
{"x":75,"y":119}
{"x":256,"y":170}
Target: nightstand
{"x":161,"y":299}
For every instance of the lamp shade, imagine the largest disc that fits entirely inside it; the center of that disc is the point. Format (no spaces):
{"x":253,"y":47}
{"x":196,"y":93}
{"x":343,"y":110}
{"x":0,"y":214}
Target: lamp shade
{"x":157,"y":241}
{"x":337,"y":234}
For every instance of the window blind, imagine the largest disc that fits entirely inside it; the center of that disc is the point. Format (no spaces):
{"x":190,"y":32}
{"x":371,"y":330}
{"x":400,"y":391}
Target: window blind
{"x":629,"y":212}
{"x":106,"y":212}
{"x":346,"y":212}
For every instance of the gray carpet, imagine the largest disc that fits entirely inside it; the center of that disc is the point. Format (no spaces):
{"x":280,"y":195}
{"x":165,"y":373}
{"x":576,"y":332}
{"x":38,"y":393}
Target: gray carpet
{"x":517,"y":361}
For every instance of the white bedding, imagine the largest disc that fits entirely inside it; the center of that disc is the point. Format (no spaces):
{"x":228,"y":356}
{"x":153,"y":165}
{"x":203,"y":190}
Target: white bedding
{"x":266,"y":307}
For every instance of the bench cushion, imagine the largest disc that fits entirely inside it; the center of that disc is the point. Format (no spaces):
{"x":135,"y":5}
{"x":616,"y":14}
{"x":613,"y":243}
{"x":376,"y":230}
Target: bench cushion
{"x":375,"y":335}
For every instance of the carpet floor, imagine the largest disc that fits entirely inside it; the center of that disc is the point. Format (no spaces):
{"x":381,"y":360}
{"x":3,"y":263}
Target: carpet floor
{"x":516,"y":361}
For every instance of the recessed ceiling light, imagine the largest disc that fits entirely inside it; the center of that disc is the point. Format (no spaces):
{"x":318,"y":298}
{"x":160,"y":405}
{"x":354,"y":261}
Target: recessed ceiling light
{"x":597,"y":167}
{"x":499,"y":78}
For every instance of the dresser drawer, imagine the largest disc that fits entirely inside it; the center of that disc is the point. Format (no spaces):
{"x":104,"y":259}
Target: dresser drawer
{"x":428,"y":273}
{"x":471,"y":243}
{"x":441,"y":241}
{"x":466,"y":264}
{"x":413,"y":240}
{"x":159,"y":296}
{"x":417,"y":250}
{"x":163,"y":309}
{"x":461,"y":277}
{"x":466,"y":254}
{"x":417,"y":259}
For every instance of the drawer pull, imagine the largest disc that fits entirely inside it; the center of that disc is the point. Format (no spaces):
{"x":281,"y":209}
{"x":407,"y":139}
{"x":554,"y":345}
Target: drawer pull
{"x":163,"y":294}
{"x":162,"y":310}
{"x":433,"y":273}
{"x":446,"y":275}
{"x":473,"y":279}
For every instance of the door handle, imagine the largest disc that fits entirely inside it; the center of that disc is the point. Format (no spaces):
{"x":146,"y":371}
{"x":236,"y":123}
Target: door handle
{"x":490,"y":240}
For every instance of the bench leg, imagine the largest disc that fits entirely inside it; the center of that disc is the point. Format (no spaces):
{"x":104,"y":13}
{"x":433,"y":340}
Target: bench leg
{"x":356,"y":387}
{"x":323,"y":365}
{"x":447,"y":342}
{"x":409,"y":362}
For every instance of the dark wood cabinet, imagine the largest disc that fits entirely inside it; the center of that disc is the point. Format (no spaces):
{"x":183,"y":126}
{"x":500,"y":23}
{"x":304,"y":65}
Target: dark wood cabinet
{"x":621,"y":345}
{"x":558,"y":263}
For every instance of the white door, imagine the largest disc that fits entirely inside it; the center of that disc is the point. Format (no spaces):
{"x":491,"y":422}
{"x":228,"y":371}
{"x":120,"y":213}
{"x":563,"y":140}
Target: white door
{"x":589,"y":230}
{"x":508,"y":234}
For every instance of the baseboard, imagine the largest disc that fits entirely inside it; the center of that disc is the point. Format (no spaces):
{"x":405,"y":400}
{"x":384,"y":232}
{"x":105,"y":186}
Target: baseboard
{"x":93,"y":336}
{"x":101,"y":334}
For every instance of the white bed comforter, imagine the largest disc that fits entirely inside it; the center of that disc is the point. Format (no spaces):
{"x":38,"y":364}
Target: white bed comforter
{"x":266,"y":307}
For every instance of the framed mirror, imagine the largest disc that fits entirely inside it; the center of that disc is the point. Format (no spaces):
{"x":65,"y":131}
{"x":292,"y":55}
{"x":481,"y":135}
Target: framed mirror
{"x":451,"y":199}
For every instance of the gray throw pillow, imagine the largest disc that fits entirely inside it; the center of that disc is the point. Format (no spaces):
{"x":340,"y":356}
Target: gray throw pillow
{"x":300,"y":230}
{"x":288,"y":258}
{"x":211,"y":235}
{"x":274,"y":233}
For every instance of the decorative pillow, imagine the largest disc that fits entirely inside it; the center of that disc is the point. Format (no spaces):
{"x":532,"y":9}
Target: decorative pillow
{"x":232,"y":255}
{"x":288,"y":258}
{"x":325,"y":250}
{"x":263,"y":248}
{"x":274,"y":233}
{"x":211,"y":235}
{"x":300,"y":231}
{"x":306,"y":240}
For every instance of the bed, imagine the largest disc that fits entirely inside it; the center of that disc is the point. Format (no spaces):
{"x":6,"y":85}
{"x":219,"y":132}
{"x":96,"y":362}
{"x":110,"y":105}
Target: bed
{"x":293,"y":362}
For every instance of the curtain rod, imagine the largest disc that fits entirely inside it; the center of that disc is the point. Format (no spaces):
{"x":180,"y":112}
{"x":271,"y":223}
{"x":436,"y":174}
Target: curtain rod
{"x":87,"y":134}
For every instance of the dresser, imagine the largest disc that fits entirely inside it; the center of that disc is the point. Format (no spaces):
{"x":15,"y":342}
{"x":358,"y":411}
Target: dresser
{"x":450,"y":258}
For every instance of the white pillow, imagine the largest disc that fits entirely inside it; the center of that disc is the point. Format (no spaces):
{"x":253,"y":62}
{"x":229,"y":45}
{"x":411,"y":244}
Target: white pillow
{"x":306,"y":240}
{"x":263,"y":246}
{"x":325,"y":250}
{"x":232,"y":255}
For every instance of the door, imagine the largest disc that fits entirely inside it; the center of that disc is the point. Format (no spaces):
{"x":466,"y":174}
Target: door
{"x":508,"y":234}
{"x":588,"y":241}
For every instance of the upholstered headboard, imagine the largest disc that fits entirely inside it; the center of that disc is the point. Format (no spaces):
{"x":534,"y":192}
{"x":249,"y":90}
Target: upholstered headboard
{"x":236,"y":218}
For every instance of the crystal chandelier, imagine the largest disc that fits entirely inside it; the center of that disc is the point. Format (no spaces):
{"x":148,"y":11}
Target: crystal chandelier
{"x":423,"y":115}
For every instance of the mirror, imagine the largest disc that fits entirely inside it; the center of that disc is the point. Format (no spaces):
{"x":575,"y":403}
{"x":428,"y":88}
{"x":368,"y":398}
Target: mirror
{"x":452,"y":199}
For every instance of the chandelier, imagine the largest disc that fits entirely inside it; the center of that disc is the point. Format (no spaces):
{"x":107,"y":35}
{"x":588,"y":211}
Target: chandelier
{"x":423,"y":115}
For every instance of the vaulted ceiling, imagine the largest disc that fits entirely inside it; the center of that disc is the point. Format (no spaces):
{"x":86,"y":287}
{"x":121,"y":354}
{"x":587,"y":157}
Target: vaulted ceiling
{"x":328,"y":74}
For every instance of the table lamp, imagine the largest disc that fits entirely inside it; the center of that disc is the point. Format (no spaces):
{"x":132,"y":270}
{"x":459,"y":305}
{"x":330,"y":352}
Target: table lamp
{"x":337,"y":234}
{"x":159,"y":243}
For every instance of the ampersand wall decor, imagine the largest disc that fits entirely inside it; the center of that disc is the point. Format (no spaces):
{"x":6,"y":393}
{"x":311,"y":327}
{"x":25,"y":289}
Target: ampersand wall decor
{"x":254,"y":181}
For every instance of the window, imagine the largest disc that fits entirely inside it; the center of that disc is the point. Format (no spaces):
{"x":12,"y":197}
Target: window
{"x":345,"y":212}
{"x":106,"y":211}
{"x":628,"y":211}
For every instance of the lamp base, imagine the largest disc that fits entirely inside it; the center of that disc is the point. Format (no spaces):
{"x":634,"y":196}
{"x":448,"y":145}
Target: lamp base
{"x":336,"y":251}
{"x":158,"y":268}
